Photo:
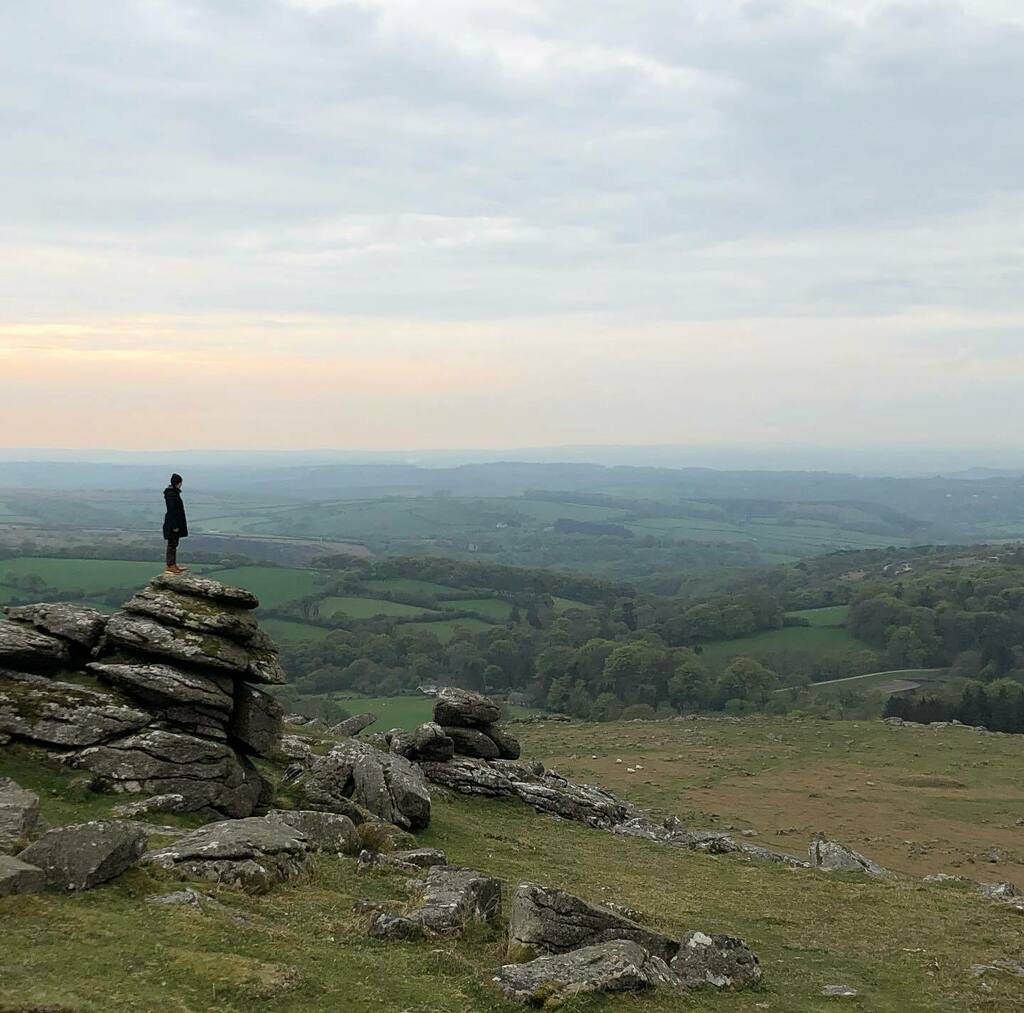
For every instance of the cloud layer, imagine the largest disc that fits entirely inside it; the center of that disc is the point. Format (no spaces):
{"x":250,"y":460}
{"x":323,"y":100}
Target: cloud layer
{"x":465,"y":223}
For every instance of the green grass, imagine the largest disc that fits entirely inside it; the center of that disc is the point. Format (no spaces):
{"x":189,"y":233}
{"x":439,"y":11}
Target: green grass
{"x":492,"y":608}
{"x":285,"y":631}
{"x":906,"y":946}
{"x":445,"y":629}
{"x":273,"y":585}
{"x":367,"y":608}
{"x":882,"y":683}
{"x":568,"y":604}
{"x":831,"y":615}
{"x":818,"y":641}
{"x":392,"y":711}
{"x":87,"y":576}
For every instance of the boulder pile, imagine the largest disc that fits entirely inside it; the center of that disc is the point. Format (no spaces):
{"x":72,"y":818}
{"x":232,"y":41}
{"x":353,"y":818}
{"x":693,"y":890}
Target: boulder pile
{"x":470,"y":721}
{"x":159,"y":699}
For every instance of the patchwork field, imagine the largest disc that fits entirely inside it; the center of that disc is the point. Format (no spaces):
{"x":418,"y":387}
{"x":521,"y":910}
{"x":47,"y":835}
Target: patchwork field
{"x":367,"y":608}
{"x":831,"y":615}
{"x":816,"y":641}
{"x":445,"y":629}
{"x":82,"y":575}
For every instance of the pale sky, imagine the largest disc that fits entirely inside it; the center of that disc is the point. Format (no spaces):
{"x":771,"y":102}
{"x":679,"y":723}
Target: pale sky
{"x":491,"y":223}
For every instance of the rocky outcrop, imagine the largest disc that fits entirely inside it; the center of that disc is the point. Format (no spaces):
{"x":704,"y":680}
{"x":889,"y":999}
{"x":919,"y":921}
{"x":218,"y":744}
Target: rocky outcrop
{"x":385,"y":784}
{"x":428,"y":743}
{"x":469,"y":777}
{"x":619,"y":966}
{"x":546,"y":921}
{"x":20,"y":819}
{"x":252,"y":853}
{"x":469,"y":720}
{"x":447,"y":900}
{"x":831,"y":856}
{"x":330,"y":833}
{"x":84,"y":855}
{"x":353,"y":726}
{"x":157,"y":699}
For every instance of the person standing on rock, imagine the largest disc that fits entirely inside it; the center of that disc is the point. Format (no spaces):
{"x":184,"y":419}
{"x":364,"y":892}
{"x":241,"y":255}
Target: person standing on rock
{"x":175,"y":523}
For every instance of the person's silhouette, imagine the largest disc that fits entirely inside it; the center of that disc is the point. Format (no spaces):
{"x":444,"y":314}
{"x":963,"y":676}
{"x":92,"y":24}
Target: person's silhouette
{"x":175,"y":523}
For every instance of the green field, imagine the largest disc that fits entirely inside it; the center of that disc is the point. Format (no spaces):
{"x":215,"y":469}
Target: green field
{"x":367,"y":608}
{"x":273,"y":585}
{"x":88,"y":576}
{"x":392,"y":711}
{"x":568,"y":604}
{"x":820,"y":641}
{"x":492,"y":608}
{"x":831,"y":615}
{"x":882,"y":684}
{"x":287,"y":632}
{"x":408,"y":585}
{"x":445,"y":629}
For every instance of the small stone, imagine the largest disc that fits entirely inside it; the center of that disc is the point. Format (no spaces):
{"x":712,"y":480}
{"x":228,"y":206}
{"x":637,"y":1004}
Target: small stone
{"x":839,"y":992}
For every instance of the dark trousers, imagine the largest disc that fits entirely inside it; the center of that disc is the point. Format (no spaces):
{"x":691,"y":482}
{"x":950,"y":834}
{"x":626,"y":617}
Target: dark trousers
{"x":172,"y":550}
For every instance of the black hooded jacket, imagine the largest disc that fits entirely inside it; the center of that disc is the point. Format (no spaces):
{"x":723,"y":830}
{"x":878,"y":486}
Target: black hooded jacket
{"x":175,"y":516}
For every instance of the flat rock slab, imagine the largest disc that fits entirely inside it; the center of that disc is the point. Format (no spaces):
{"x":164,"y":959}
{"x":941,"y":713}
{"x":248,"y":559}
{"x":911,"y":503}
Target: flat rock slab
{"x":80,"y":624}
{"x":163,"y":684}
{"x":17,"y":876}
{"x":24,"y":648}
{"x":448,"y":900}
{"x":159,"y":762}
{"x":62,"y":713}
{"x":19,"y":816}
{"x":718,"y":961}
{"x":546,"y":921}
{"x":463,"y":708}
{"x":618,"y":966}
{"x":84,"y":855}
{"x":205,"y":587}
{"x":385,"y":784}
{"x":508,"y":745}
{"x":472,"y":742}
{"x":353,"y":725}
{"x":256,"y":724}
{"x":469,"y":777}
{"x":831,"y":856}
{"x":207,"y":650}
{"x":204,"y":615}
{"x":331,"y":833}
{"x":253,"y":854}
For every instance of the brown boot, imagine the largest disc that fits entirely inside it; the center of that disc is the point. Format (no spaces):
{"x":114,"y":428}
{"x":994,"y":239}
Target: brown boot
{"x":174,"y":568}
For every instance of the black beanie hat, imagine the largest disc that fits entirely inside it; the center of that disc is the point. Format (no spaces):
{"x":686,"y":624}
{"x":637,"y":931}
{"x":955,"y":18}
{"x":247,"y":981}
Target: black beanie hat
{"x":176,"y":479}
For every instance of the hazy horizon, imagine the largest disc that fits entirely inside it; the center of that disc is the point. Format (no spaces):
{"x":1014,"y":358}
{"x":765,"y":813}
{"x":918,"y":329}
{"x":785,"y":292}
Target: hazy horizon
{"x":383,"y":224}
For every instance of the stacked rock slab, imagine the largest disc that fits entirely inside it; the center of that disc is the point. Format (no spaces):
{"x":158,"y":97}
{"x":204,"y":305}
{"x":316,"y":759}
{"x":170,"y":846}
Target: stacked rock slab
{"x":470,"y":721}
{"x":161,"y":698}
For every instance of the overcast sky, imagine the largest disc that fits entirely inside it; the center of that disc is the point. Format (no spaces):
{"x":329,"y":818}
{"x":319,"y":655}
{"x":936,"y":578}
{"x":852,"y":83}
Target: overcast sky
{"x":492,"y":223}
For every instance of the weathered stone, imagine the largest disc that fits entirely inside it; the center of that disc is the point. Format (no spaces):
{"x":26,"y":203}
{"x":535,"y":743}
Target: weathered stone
{"x":157,"y":762}
{"x":998,"y":891}
{"x":831,"y":856}
{"x":582,"y":803}
{"x":253,"y":854}
{"x":173,"y":803}
{"x":421,"y":858}
{"x":328,"y":832}
{"x":389,"y":786}
{"x":618,"y":966}
{"x":387,"y":925}
{"x":200,"y":614}
{"x":140,"y":633}
{"x":84,"y":855}
{"x":430,"y":743}
{"x":265,"y":667}
{"x":62,"y":713}
{"x":545,"y":920}
{"x":353,"y":725}
{"x":469,"y":777}
{"x":20,"y":819}
{"x":721,"y":961}
{"x":80,"y":624}
{"x":206,"y":587}
{"x":449,"y":898}
{"x":17,"y":876}
{"x":165,"y":685}
{"x":296,"y":748}
{"x":508,"y":745}
{"x":839,"y":992}
{"x":256,"y":721}
{"x":472,"y":742}
{"x":23,"y":648}
{"x":465,"y":709}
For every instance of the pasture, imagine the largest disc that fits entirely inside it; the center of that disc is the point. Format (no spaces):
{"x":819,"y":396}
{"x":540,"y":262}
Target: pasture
{"x":812,"y":641}
{"x":273,"y":585}
{"x":831,"y":615}
{"x":368,"y":608}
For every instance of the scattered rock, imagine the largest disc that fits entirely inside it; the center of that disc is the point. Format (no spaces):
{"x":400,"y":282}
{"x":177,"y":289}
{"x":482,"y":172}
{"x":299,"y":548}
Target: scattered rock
{"x":18,"y":876}
{"x":297,"y":749}
{"x":328,"y":832}
{"x":427,"y":743}
{"x":545,"y":921}
{"x":721,"y":961}
{"x":81,"y":625}
{"x":1015,"y":967}
{"x":469,"y":777}
{"x":84,"y":855}
{"x":447,"y":900}
{"x":172,"y":803}
{"x":20,"y":819}
{"x":421,"y":858}
{"x":839,"y":992}
{"x":618,"y":966}
{"x":387,"y":785}
{"x":464,"y":709}
{"x":998,"y":891}
{"x":252,"y":853}
{"x":831,"y":856}
{"x":353,"y":726}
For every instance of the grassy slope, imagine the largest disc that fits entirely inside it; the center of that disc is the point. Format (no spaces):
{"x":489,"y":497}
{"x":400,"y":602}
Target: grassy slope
{"x":830,"y":615}
{"x":906,"y":946}
{"x":812,"y":640}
